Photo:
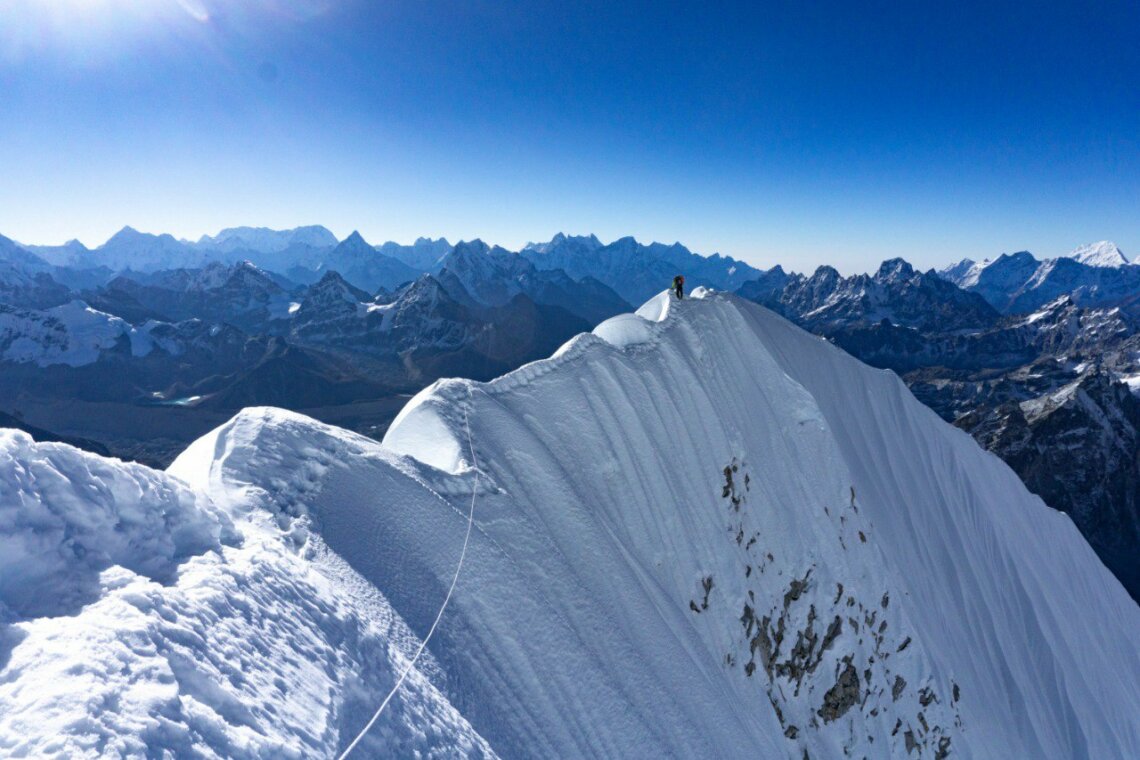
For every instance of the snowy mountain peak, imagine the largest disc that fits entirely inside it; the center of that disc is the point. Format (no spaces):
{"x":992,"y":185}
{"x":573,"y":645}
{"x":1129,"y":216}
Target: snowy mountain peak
{"x":334,"y":287}
{"x":244,"y":276}
{"x":826,"y":274}
{"x":894,"y":269}
{"x":315,"y":235}
{"x":1019,"y":283}
{"x":957,"y":273}
{"x":583,"y":242}
{"x":1102,"y":254}
{"x":424,"y":255}
{"x":130,"y":237}
{"x":265,"y":240}
{"x":356,"y":240}
{"x":16,"y":255}
{"x":491,"y":276}
{"x":1020,"y":257}
{"x":470,"y":247}
{"x":127,"y":232}
{"x":129,"y":249}
{"x":352,"y":248}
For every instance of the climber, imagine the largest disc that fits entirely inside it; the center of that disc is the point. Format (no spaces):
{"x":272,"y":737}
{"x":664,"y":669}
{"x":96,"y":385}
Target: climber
{"x":679,"y":286}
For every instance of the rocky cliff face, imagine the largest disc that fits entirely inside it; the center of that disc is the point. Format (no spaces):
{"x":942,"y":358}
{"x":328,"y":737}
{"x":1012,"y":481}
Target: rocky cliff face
{"x":1077,"y":446}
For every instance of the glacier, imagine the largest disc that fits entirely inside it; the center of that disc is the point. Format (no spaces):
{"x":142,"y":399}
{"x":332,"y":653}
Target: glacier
{"x":699,"y":532}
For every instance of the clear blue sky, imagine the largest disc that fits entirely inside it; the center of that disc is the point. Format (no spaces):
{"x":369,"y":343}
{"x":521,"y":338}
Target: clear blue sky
{"x":792,"y":132}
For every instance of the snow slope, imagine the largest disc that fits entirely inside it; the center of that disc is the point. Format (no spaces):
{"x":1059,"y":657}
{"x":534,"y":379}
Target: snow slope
{"x":700,"y":532}
{"x":984,"y":580}
{"x":136,"y":620}
{"x":72,"y":334}
{"x":265,"y":240}
{"x":1102,"y":254}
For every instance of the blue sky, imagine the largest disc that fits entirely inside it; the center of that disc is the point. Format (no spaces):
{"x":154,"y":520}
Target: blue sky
{"x":794,"y":133}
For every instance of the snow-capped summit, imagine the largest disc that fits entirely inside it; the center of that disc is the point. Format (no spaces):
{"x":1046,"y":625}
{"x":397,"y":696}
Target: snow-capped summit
{"x":635,"y":271}
{"x":482,"y":275}
{"x":894,"y":270}
{"x":1102,"y":254}
{"x":796,"y":586}
{"x":241,"y":280}
{"x":25,"y":279}
{"x":241,"y":294}
{"x":490,"y":275}
{"x":129,"y":236}
{"x":424,"y":255}
{"x":265,"y":240}
{"x":129,"y":249}
{"x":585,"y":242}
{"x":355,"y":243}
{"x":366,"y":267}
{"x":965,"y":273}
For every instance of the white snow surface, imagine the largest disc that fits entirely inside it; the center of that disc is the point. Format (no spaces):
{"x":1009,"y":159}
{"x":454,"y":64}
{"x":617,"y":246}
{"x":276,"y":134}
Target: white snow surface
{"x":1132,"y":381}
{"x":1102,"y":254}
{"x":136,"y":620}
{"x":73,"y":333}
{"x":699,"y":532}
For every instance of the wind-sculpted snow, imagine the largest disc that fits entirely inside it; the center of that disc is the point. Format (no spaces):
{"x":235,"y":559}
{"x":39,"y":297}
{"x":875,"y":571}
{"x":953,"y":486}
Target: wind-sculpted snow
{"x":869,"y":538}
{"x":135,"y":621}
{"x":70,"y":515}
{"x":699,"y":532}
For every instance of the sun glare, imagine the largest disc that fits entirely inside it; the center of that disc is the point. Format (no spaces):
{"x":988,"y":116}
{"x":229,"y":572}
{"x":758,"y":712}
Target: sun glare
{"x":88,"y":30}
{"x":195,"y":9}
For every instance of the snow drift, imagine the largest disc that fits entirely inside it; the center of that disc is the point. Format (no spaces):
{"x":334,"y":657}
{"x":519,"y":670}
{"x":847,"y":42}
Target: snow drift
{"x":59,"y":531}
{"x":700,"y":532}
{"x":135,"y":621}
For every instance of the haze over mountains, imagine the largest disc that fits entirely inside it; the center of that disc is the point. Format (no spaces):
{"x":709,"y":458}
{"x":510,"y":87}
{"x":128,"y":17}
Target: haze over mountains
{"x":144,"y":343}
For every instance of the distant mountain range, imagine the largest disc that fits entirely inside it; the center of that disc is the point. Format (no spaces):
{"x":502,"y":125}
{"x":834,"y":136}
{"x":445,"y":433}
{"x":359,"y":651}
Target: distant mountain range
{"x":144,"y":342}
{"x":636,"y":271}
{"x":1039,"y":360}
{"x":134,"y":341}
{"x":1015,"y":283}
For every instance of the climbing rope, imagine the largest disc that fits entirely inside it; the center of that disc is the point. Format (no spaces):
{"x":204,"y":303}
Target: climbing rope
{"x":455,"y":579}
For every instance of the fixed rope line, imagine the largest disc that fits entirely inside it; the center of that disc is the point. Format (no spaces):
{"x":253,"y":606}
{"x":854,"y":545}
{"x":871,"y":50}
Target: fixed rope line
{"x":455,"y":579}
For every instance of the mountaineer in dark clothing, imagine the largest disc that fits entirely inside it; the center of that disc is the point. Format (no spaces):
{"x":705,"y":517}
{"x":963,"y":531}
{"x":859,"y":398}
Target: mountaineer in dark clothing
{"x":679,"y":286}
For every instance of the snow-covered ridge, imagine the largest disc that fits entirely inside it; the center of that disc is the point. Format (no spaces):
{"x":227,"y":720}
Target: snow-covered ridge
{"x":267,"y":240}
{"x":726,"y":381}
{"x":966,"y":273}
{"x":1102,"y":254}
{"x":1095,"y":274}
{"x":699,"y":532}
{"x":914,"y":481}
{"x":73,"y":334}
